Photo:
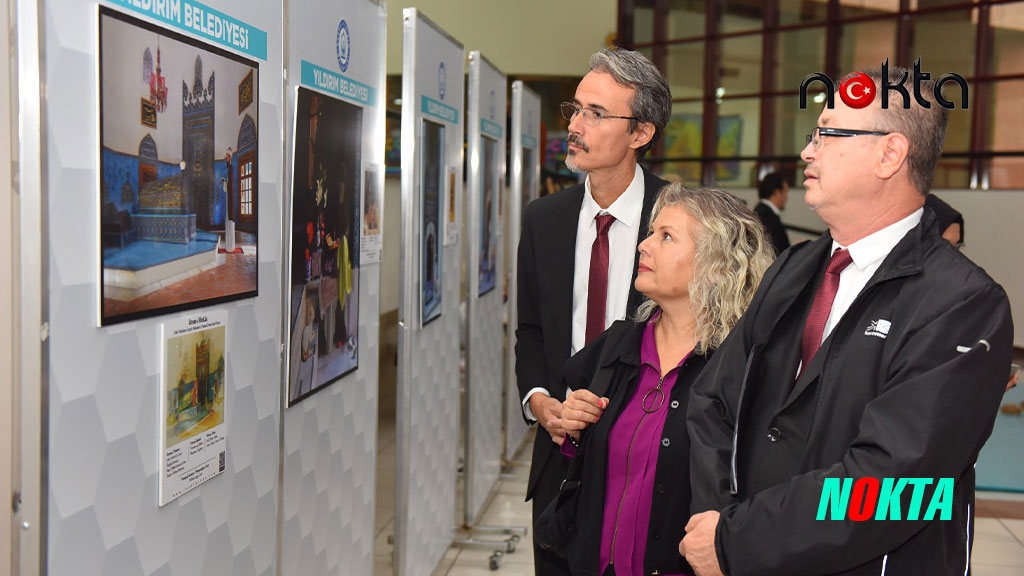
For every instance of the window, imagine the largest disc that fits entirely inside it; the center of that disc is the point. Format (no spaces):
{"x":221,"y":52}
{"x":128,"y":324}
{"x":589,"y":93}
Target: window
{"x":245,"y":186}
{"x":735,"y":67}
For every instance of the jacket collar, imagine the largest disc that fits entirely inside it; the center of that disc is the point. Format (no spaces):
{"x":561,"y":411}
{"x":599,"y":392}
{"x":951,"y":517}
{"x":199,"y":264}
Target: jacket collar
{"x":905,"y":259}
{"x":623,"y":345}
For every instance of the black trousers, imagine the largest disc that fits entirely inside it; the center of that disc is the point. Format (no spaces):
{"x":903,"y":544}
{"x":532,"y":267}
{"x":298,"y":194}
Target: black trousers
{"x":548,"y":563}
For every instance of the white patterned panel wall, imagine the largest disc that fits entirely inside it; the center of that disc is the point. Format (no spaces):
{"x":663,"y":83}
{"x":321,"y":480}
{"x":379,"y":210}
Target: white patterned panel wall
{"x":428,"y":371}
{"x":485,"y":115}
{"x":525,"y":134}
{"x":104,"y":383}
{"x":330,"y":437}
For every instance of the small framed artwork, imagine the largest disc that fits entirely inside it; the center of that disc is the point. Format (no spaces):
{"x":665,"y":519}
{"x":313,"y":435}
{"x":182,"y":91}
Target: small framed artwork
{"x":245,"y":92}
{"x":148,"y":113}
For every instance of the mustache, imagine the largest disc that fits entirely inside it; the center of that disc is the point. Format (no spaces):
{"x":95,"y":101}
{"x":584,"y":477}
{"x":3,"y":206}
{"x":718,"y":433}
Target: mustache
{"x":575,"y":139}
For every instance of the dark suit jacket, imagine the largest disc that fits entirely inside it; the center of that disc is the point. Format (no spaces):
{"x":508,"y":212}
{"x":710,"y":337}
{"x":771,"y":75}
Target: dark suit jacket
{"x":773,"y":224}
{"x":612,"y":363}
{"x":547,"y":257}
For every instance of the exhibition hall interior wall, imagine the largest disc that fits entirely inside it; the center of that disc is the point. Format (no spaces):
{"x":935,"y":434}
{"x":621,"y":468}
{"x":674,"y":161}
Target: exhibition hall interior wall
{"x":104,"y":381}
{"x":289,"y":409}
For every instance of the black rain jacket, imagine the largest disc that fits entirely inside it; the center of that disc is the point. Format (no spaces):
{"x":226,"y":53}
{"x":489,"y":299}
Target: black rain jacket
{"x":907,"y":385}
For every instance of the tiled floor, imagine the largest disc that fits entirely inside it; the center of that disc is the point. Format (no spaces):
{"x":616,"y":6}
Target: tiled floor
{"x":998,"y":545}
{"x":237,"y":275}
{"x":998,"y":534}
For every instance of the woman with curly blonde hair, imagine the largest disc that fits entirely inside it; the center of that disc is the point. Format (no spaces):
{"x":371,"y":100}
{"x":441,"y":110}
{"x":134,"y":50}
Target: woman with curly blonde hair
{"x":626,"y":416}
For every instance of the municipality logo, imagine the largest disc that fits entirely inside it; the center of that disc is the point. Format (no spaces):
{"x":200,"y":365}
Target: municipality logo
{"x":879,"y":328}
{"x":344,"y":45}
{"x":442,"y":80}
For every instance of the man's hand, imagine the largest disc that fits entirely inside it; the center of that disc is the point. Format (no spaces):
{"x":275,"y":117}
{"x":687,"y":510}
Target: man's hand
{"x":548,"y":412}
{"x":581,"y":409}
{"x":698,"y":546}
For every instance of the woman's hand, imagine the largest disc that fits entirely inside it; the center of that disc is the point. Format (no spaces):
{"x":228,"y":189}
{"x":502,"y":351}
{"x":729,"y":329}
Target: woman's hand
{"x":581,"y":409}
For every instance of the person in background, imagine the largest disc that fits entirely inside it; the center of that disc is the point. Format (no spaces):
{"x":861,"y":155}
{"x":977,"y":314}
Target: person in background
{"x":699,"y":267}
{"x":578,"y":246}
{"x":773,"y":192}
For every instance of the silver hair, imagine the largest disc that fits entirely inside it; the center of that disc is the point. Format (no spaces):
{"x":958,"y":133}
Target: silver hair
{"x":652,"y":99}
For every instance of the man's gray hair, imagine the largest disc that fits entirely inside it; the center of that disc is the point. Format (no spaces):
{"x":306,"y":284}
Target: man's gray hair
{"x":925,"y":128}
{"x":652,"y":99}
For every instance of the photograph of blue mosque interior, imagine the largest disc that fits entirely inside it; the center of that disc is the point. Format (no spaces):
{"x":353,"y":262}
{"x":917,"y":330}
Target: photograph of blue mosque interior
{"x":179,"y":171}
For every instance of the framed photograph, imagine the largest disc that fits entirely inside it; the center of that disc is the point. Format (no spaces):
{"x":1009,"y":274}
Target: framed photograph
{"x":324,"y":312}
{"x":431,"y":183}
{"x":178,"y":204}
{"x":193,"y":434}
{"x":373,"y":211}
{"x":489,"y":213}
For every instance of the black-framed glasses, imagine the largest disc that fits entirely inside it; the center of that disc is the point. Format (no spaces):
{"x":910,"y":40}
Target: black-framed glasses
{"x":814,"y":137}
{"x":590,"y":116}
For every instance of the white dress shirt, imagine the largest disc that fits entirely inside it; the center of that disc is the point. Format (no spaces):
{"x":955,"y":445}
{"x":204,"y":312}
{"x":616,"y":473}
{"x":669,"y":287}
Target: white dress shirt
{"x":622,"y":242}
{"x":867,"y":254}
{"x":774,"y":208}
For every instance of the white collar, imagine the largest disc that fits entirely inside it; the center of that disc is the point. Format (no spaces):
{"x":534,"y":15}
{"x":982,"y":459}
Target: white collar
{"x":626,"y":208}
{"x":872,"y":248}
{"x":771,"y":205}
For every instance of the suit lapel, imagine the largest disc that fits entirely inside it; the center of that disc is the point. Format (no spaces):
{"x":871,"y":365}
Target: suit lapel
{"x":565,"y":220}
{"x":652,"y":186}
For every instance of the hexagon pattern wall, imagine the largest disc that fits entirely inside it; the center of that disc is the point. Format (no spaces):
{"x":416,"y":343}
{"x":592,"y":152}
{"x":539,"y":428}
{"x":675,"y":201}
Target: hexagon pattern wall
{"x":329,"y":455}
{"x":103,"y":383}
{"x":432,"y":435}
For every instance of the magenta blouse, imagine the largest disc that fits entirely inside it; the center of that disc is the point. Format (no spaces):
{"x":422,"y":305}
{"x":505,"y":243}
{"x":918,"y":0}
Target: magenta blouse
{"x":632,"y":460}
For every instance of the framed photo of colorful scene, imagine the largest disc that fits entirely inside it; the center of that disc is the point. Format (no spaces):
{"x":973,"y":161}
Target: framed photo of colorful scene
{"x":489,"y":215}
{"x":179,"y":174}
{"x":431,"y":184}
{"x":324,"y":302}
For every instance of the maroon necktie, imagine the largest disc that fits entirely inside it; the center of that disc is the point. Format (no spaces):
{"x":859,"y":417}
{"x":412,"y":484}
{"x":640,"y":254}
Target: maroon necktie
{"x":822,"y":306}
{"x":597,"y":295}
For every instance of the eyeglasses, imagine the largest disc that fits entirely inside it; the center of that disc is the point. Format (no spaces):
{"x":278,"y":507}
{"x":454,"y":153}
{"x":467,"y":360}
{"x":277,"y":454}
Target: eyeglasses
{"x":815,"y":136}
{"x":590,"y":116}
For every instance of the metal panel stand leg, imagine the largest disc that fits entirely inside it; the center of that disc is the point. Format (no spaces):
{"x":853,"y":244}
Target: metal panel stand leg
{"x":500,"y":547}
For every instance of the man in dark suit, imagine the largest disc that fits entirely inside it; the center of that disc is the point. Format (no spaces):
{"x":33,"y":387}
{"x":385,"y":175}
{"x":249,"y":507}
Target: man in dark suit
{"x":773,"y":191}
{"x":577,"y":252}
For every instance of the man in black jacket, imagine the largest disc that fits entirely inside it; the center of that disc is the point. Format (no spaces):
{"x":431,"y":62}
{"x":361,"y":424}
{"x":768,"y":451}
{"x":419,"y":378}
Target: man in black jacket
{"x":914,"y":342}
{"x":774,"y":192}
{"x":577,"y":252}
